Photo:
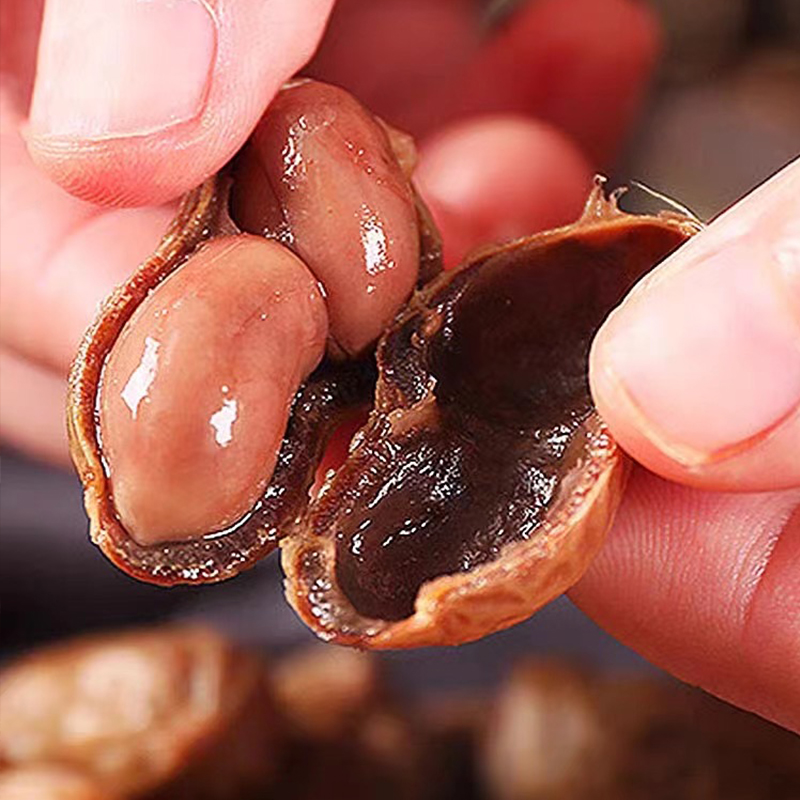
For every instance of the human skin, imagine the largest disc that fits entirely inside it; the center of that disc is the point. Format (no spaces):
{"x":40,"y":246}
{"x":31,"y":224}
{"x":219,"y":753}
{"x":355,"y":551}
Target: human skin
{"x":699,"y":573}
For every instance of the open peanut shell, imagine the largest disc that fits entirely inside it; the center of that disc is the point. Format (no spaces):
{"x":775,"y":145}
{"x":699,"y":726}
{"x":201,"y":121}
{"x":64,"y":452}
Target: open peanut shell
{"x":483,"y":482}
{"x":325,"y":398}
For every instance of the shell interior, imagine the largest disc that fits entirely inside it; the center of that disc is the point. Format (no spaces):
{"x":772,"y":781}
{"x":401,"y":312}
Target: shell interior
{"x":486,"y":412}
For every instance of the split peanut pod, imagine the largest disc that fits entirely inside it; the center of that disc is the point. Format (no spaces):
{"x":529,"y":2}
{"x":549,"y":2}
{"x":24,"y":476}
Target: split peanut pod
{"x":204,"y":396}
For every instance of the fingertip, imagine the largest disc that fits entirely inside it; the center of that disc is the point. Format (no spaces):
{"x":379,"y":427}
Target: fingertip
{"x":587,"y":74}
{"x":698,"y":371}
{"x":126,"y":174}
{"x":495,"y":178}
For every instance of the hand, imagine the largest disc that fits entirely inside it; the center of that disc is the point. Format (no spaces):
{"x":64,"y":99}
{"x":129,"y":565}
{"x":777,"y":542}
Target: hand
{"x":136,"y":102}
{"x":700,"y":582}
{"x":698,"y":375}
{"x":133,"y":103}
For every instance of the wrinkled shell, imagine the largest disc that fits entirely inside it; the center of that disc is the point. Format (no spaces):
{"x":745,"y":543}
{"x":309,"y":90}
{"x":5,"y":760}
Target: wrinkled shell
{"x":459,"y":608}
{"x":348,"y":737}
{"x":144,"y":711}
{"x":550,"y":731}
{"x":332,"y":390}
{"x":465,"y":605}
{"x":324,"y":692}
{"x":556,"y":731}
{"x":538,"y":544}
{"x":326,"y":398}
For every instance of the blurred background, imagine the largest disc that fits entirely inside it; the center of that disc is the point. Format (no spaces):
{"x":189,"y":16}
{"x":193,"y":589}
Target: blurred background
{"x":721,"y":115}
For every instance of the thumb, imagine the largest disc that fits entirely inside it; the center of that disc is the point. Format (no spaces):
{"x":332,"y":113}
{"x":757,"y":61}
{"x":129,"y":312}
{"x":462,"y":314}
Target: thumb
{"x":698,"y":371}
{"x":137,"y":101}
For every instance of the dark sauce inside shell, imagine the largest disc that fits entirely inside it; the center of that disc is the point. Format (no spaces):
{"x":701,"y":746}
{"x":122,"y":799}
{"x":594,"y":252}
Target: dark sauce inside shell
{"x":488,"y":388}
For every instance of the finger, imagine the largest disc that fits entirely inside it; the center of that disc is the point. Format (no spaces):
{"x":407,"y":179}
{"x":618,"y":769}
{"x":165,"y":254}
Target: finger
{"x":496,"y":178}
{"x":136,"y":102}
{"x":582,"y":65}
{"x":59,"y":257}
{"x":706,"y":585}
{"x":20,"y":21}
{"x":48,"y":313}
{"x":32,"y":409}
{"x":698,"y":371}
{"x":394,"y":53}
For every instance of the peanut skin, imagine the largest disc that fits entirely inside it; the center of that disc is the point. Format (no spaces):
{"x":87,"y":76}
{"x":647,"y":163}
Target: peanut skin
{"x":197,"y":389}
{"x":320,"y":174}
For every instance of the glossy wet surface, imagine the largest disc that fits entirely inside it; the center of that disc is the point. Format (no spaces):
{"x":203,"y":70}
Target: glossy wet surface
{"x":479,"y":470}
{"x":320,"y":175}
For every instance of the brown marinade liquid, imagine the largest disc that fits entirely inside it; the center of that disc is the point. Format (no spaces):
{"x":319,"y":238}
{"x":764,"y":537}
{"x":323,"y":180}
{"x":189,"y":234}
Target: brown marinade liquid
{"x":510,"y":361}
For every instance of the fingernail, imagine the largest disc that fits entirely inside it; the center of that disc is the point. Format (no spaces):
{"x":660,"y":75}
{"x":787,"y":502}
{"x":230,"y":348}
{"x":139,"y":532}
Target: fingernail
{"x":122,"y":68}
{"x":707,"y":354}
